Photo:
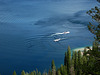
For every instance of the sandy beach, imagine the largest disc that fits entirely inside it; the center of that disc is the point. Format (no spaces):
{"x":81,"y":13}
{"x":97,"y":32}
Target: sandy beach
{"x":81,"y":48}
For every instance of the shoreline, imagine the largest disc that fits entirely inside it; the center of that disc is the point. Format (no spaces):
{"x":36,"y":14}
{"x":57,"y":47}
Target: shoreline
{"x":80,"y":48}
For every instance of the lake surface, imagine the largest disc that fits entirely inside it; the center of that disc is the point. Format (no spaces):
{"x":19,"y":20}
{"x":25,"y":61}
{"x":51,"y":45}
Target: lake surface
{"x":28,"y":29}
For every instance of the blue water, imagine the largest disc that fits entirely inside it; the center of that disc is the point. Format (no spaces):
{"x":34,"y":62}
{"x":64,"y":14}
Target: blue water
{"x":26,"y":27}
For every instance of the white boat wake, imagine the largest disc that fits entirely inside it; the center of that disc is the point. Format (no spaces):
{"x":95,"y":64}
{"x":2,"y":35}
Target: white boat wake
{"x":60,"y":33}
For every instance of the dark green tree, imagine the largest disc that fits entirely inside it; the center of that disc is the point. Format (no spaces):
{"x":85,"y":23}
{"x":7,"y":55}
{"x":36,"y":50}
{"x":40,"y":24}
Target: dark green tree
{"x":68,"y":60}
{"x":95,"y":29}
{"x":79,"y":66}
{"x":76,"y":62}
{"x":44,"y":73}
{"x":14,"y":73}
{"x":53,"y":68}
{"x":73,"y":58}
{"x":84,"y":53}
{"x":84,"y":66}
{"x":63,"y":70}
{"x":32,"y":73}
{"x":72,"y":64}
{"x":23,"y":72}
{"x":49,"y":72}
{"x":39,"y":73}
{"x":79,"y":58}
{"x":58,"y":72}
{"x":28,"y":73}
{"x":65,"y":59}
{"x":94,"y":57}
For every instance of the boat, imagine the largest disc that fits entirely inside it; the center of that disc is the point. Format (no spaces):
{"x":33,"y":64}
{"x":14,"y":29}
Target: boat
{"x":60,"y":33}
{"x":66,"y":32}
{"x":57,"y":40}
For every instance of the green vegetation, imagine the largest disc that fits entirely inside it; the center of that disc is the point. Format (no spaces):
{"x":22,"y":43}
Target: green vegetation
{"x":78,"y":64}
{"x":68,"y":60}
{"x":95,"y":29}
{"x":14,"y":73}
{"x":53,"y":72}
{"x":23,"y":72}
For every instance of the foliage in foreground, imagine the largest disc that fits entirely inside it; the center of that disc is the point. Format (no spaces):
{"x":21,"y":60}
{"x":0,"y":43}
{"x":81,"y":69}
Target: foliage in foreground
{"x":81,"y":63}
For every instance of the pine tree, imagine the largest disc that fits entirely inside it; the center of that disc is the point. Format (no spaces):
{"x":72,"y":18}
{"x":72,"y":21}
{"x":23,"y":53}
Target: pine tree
{"x":65,"y":59}
{"x":73,"y":58}
{"x":76,"y":62}
{"x":72,"y":64}
{"x":58,"y":72}
{"x":63,"y":70}
{"x":39,"y":73}
{"x":84,"y":53}
{"x":79,"y":58}
{"x":95,"y":52}
{"x":95,"y":29}
{"x":28,"y":73}
{"x":84,"y":66}
{"x":90,"y":64}
{"x":49,"y":72}
{"x":14,"y":73}
{"x":23,"y":72}
{"x":96,"y":55}
{"x":53,"y":68}
{"x":68,"y":60}
{"x":79,"y":71}
{"x":45,"y":73}
{"x":34,"y":72}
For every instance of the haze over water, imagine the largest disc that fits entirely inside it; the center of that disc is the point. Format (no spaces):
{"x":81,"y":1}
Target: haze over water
{"x":27,"y":26}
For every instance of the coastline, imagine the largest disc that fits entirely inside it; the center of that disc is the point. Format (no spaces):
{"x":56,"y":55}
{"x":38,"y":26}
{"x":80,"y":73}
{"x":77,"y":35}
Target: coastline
{"x":80,"y":48}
